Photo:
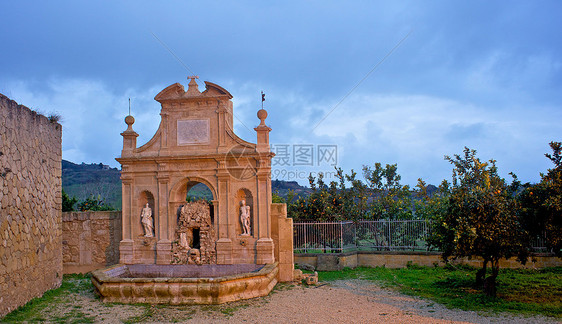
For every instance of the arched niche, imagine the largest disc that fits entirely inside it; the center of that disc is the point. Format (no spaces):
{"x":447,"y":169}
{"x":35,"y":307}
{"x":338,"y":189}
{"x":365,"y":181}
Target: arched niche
{"x":198,"y":190}
{"x":179,"y":194}
{"x":180,"y":189}
{"x":246,"y":195}
{"x":144,"y":198}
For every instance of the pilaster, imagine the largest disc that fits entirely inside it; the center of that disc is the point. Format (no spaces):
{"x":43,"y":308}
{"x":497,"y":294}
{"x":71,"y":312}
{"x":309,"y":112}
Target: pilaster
{"x":224,"y":251}
{"x":264,"y":251}
{"x":126,"y":251}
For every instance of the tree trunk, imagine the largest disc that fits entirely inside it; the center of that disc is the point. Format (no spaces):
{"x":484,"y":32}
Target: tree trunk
{"x":490,"y":284}
{"x":481,"y":274}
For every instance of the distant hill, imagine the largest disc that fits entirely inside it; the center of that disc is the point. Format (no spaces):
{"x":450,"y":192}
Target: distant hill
{"x":98,"y":180}
{"x":283,"y":187}
{"x":84,"y":180}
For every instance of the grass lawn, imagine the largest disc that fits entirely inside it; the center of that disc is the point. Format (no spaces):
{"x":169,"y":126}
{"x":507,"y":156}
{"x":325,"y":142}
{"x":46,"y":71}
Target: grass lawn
{"x":519,"y":291}
{"x":76,"y":302}
{"x":35,"y":309}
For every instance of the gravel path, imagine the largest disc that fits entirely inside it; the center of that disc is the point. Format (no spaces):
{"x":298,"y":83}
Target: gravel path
{"x":357,"y":301}
{"x":346,"y":301}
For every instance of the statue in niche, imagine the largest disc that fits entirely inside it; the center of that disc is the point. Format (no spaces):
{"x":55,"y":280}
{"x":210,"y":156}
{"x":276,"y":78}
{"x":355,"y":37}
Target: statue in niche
{"x":245,"y":217}
{"x":183,"y":240}
{"x":146,"y":220}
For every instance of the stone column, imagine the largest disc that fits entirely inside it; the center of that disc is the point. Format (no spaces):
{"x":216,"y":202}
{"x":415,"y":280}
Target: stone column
{"x":224,"y":243}
{"x":163,"y":223}
{"x":264,"y":245}
{"x":221,"y":130}
{"x":126,"y":246}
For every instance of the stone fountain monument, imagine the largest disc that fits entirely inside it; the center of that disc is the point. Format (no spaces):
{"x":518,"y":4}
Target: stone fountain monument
{"x":236,"y":246}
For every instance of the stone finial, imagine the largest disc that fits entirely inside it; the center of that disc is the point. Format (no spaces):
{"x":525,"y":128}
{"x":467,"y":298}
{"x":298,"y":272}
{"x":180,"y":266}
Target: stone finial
{"x":262,"y":131}
{"x":193,"y":87}
{"x":129,"y":137}
{"x":129,"y":120}
{"x":262,"y":115}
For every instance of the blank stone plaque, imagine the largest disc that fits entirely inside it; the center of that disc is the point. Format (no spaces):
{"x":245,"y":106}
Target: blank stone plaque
{"x":193,"y":131}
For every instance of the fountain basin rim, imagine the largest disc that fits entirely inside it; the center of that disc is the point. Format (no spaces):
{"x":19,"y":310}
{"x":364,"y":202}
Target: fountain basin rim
{"x":101,"y":276}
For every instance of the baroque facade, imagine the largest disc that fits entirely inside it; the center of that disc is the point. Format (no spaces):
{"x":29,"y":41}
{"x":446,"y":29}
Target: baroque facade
{"x":195,"y":143}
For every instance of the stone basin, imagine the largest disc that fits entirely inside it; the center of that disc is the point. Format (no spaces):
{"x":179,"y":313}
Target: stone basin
{"x":184,"y":284}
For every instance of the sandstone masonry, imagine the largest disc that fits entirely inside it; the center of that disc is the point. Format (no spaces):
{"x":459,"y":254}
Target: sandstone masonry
{"x":30,"y":210}
{"x":90,"y":240}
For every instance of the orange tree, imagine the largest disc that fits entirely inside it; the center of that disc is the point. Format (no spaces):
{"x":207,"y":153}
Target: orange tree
{"x":541,"y":204}
{"x":388,"y":198}
{"x":429,"y":204}
{"x":324,"y":203}
{"x":479,"y":219}
{"x":94,"y":204}
{"x":67,"y":202}
{"x":381,"y":196}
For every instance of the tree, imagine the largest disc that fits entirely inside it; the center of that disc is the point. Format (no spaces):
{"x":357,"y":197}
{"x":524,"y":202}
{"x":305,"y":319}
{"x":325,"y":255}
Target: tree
{"x":94,"y":204}
{"x":67,"y":202}
{"x":480,"y":218}
{"x":390,"y":200}
{"x":428,"y":205}
{"x":541,"y":204}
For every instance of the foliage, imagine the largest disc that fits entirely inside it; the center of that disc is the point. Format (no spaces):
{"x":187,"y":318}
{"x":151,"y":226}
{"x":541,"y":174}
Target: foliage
{"x":198,"y":192}
{"x":541,"y":204}
{"x":67,"y":202}
{"x":390,"y":200}
{"x":479,"y":218}
{"x":93,"y":204}
{"x":529,"y":292}
{"x":85,"y":180}
{"x":276,"y":198}
{"x":380,"y":197}
{"x":428,"y":205}
{"x":54,"y":118}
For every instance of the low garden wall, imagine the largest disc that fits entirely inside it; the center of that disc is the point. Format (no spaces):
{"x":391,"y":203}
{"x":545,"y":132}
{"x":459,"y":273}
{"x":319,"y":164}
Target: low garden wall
{"x":90,"y":240}
{"x":400,"y":259}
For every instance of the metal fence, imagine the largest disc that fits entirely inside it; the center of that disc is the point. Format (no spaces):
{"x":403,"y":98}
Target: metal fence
{"x":392,"y":235}
{"x":380,"y":235}
{"x":328,"y":237}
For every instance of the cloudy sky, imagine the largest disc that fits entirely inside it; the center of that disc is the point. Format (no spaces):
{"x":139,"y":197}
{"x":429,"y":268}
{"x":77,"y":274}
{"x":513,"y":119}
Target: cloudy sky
{"x":403,"y":82}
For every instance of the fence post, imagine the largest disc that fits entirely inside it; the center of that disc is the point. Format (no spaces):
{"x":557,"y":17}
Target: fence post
{"x":305,"y":238}
{"x":341,"y":240}
{"x":355,"y":235}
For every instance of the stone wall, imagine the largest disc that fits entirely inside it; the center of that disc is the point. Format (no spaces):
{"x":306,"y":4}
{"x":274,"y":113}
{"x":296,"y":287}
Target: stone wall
{"x":90,"y":240}
{"x":30,"y":210}
{"x":282,"y":236}
{"x":338,"y":261}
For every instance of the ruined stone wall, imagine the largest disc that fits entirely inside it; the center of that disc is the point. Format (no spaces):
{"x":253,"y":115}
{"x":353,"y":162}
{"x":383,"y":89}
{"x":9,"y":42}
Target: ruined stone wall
{"x":90,"y":240}
{"x":282,"y":236}
{"x":30,"y":210}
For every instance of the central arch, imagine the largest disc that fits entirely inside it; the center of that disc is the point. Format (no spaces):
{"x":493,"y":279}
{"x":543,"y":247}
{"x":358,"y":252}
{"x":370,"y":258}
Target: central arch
{"x":180,"y":189}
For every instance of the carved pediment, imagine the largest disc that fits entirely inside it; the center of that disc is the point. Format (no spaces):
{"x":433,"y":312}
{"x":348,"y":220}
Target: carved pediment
{"x":174,"y":91}
{"x":213,"y":90}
